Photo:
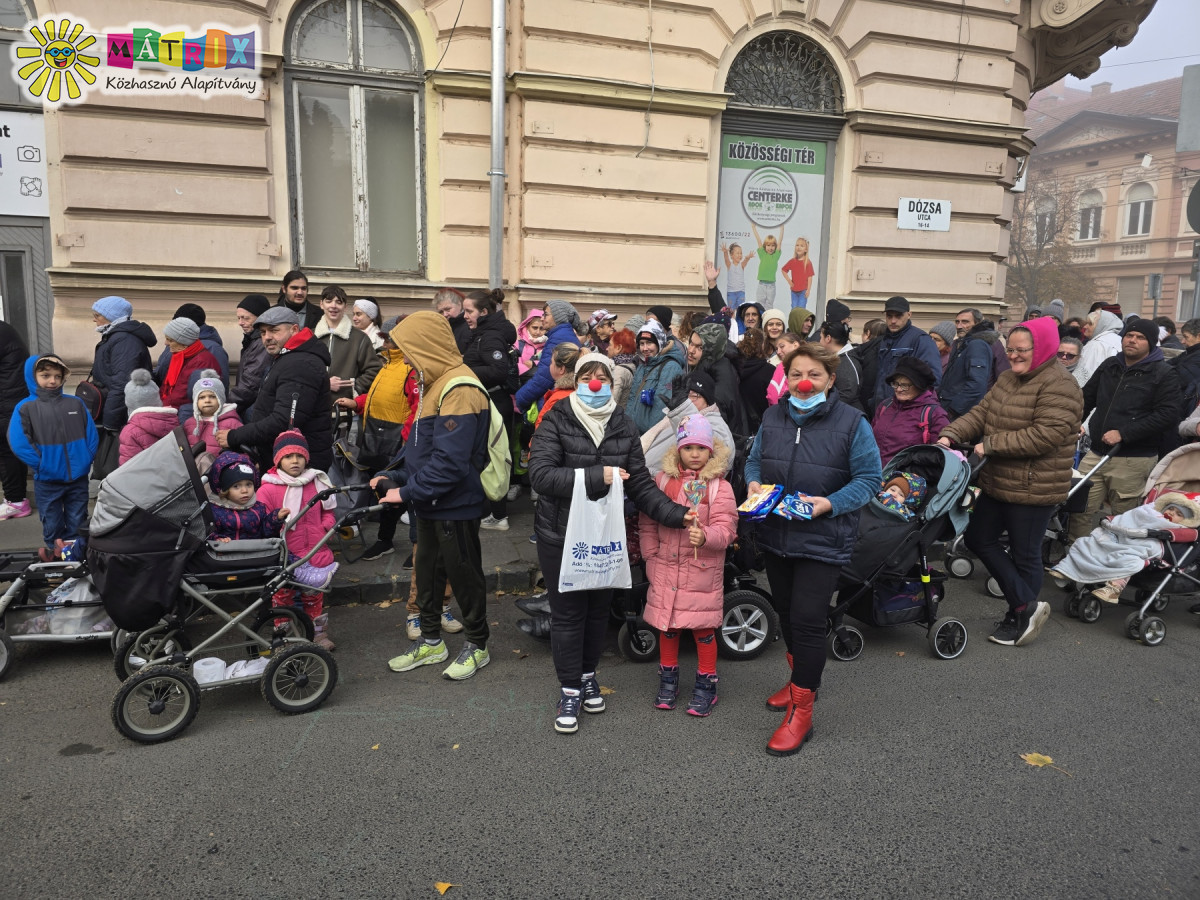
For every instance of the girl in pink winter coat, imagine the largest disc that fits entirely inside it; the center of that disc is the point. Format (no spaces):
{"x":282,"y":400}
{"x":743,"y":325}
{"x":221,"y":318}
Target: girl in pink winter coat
{"x":290,"y":485}
{"x":149,"y":421}
{"x":686,"y":567}
{"x":211,"y":412}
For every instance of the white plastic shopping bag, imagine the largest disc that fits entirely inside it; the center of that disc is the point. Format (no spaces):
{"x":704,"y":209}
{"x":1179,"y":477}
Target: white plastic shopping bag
{"x":595,"y":556}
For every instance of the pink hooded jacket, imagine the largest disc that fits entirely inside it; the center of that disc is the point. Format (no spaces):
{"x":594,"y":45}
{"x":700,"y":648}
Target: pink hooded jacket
{"x":529,"y":350}
{"x":146,"y":425}
{"x":687,"y":584}
{"x":226,"y":417}
{"x":307,"y":533}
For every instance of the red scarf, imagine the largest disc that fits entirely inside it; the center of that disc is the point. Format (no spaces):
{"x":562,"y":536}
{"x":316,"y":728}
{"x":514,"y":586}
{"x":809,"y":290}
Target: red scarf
{"x":300,"y":337}
{"x":176,"y":366}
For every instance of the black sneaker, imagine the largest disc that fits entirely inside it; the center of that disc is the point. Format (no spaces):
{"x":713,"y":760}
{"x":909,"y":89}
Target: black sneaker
{"x":407,"y":564}
{"x":1007,"y":632}
{"x":1194,"y":609}
{"x":1031,"y":621}
{"x":378,"y":549}
{"x":566,"y":717}
{"x":593,"y":700}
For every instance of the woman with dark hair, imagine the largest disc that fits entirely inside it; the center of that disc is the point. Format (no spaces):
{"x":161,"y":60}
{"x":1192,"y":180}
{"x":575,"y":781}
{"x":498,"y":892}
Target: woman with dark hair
{"x":353,"y":362}
{"x":587,"y":432}
{"x":293,"y":295}
{"x":1026,"y":426}
{"x":754,"y":375}
{"x":486,"y":353}
{"x":835,"y":336}
{"x":821,"y":448}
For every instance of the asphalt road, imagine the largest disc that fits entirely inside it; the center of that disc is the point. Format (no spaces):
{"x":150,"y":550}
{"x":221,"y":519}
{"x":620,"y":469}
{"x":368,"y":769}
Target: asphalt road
{"x":913,"y":785}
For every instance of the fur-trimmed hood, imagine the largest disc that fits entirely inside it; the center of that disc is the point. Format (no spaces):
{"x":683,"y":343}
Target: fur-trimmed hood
{"x":716,"y":467}
{"x":1183,"y":501}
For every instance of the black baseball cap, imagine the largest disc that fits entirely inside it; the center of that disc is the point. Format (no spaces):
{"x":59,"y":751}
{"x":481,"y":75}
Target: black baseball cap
{"x":896,"y":304}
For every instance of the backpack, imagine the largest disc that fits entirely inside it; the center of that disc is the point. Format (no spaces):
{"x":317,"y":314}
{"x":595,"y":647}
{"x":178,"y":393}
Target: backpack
{"x":924,"y":423}
{"x":495,"y":475}
{"x":512,"y":383}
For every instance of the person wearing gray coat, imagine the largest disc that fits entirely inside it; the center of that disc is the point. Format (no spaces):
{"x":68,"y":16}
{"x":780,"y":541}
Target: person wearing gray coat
{"x":254,"y":361}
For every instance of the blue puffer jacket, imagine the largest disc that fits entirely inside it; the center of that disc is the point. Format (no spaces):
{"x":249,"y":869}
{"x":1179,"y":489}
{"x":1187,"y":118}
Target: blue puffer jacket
{"x":655,"y":374}
{"x":123,"y":348}
{"x":52,"y":433}
{"x":535,"y":388}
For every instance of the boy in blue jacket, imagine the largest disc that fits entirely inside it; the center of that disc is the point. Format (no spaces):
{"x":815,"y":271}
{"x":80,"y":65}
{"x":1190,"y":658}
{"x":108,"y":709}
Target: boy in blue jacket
{"x":53,"y":434}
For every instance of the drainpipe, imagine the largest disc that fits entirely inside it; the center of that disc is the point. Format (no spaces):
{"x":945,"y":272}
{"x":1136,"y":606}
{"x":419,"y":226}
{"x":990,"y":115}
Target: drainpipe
{"x":496,"y":172}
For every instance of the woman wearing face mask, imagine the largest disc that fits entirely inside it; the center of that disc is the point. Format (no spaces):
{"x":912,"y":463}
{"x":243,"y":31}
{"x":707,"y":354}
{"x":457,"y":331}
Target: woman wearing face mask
{"x":589,"y":432}
{"x":822,"y":448}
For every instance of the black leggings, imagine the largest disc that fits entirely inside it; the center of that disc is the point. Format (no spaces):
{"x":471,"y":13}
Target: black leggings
{"x":578,"y":622}
{"x":1018,"y":570}
{"x":800,"y":592}
{"x":12,"y":470}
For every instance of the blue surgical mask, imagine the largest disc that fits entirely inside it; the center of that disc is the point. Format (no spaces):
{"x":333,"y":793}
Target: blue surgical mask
{"x":806,"y":405}
{"x":598,"y":398}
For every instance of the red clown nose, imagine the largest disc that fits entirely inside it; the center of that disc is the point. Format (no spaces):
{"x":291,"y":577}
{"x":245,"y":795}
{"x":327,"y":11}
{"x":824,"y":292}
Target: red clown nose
{"x":805,"y":386}
{"x":594,"y":385}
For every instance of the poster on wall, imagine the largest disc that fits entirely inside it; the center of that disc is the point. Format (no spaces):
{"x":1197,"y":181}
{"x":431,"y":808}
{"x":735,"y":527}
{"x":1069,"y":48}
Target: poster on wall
{"x":23,"y":189}
{"x":769,"y":221}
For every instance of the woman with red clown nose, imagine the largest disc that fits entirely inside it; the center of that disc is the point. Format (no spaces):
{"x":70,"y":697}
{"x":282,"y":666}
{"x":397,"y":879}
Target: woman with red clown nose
{"x":823,"y":449}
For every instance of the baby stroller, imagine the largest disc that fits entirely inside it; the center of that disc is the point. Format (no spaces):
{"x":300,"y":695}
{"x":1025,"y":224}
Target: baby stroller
{"x":156,"y":573}
{"x":1176,"y":572}
{"x":888,"y":580}
{"x":47,"y":602}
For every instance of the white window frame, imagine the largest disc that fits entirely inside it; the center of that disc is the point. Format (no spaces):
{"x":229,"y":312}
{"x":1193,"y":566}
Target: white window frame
{"x":1091,"y":217}
{"x":359,"y":79}
{"x":1143,"y":210}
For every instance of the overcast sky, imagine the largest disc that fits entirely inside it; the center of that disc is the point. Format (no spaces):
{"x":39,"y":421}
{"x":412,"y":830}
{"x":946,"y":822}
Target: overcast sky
{"x":1171,"y":30}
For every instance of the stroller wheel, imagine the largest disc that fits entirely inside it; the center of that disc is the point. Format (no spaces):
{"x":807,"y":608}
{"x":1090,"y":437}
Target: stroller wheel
{"x":1152,"y":631}
{"x":748,"y":626}
{"x":7,"y":654}
{"x":960,"y":566}
{"x":1133,"y":626}
{"x":156,"y":704}
{"x":1071,"y":605}
{"x":644,"y":648}
{"x":948,"y":638}
{"x":299,"y":678}
{"x":141,"y":647}
{"x":845,"y":643}
{"x":993,"y":588}
{"x":1089,"y":608}
{"x":279,"y":624}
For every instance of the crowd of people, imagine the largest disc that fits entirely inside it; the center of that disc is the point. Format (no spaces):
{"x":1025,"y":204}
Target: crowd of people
{"x":690,"y":412}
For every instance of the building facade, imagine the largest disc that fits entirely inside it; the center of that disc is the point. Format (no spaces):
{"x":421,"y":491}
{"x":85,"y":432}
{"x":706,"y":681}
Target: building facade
{"x":638,"y":136}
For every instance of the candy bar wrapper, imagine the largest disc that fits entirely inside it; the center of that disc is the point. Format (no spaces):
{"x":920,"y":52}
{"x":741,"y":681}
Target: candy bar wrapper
{"x":792,"y":507}
{"x":759,"y":504}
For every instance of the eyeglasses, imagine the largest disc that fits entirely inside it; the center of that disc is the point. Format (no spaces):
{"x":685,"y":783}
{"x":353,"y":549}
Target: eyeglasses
{"x":1068,"y":356}
{"x":1018,"y":351}
{"x":903,"y":386}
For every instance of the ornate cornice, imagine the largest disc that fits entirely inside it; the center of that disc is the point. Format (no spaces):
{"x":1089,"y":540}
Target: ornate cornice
{"x":1070,"y":36}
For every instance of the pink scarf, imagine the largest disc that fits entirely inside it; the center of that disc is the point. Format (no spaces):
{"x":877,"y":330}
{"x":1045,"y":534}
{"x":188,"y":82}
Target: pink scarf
{"x":293,"y":494}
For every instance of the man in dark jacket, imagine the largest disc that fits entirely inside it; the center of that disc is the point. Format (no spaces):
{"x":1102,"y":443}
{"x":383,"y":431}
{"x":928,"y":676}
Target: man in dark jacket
{"x":294,"y":394}
{"x":254,"y":361}
{"x":449,"y":304}
{"x":902,"y":338}
{"x":706,"y":352}
{"x":13,"y":473}
{"x":969,"y":371}
{"x":294,"y":296}
{"x":1133,"y":398}
{"x":836,"y":313}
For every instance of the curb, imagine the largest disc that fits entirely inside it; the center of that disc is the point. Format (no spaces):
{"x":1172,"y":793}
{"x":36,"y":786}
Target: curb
{"x":378,"y":588}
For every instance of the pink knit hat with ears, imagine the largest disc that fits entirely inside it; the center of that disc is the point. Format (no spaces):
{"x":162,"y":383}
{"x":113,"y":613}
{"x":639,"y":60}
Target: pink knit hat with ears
{"x":695,"y":429}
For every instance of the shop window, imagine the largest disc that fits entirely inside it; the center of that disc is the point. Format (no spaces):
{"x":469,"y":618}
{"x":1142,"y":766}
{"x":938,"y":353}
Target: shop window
{"x":1141,"y":205}
{"x":354,"y":81}
{"x":1090,"y":205}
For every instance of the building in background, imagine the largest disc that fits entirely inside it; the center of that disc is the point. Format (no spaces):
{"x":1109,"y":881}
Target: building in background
{"x":1121,"y":193}
{"x":640,"y":138}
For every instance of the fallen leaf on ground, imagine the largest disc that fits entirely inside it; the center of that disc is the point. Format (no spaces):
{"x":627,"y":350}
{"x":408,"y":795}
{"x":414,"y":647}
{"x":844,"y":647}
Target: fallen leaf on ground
{"x":455,"y":747}
{"x":376,"y":747}
{"x":1040,"y":760}
{"x":385,"y":604}
{"x":499,"y":593}
{"x":899,"y":652}
{"x":606,"y":690}
{"x":443,"y":886}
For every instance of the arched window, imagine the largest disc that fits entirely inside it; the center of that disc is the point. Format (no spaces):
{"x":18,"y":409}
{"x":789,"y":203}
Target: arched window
{"x":1091,"y":203}
{"x":354,"y":76}
{"x":785,"y":70}
{"x":1140,"y":200}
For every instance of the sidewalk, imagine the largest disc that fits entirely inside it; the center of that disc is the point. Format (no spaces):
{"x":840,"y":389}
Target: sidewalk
{"x":509,"y":560}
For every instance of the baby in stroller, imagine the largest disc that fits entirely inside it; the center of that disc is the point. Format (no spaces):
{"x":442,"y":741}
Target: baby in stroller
{"x":1119,"y":549}
{"x":236,"y":511}
{"x":903,"y":493}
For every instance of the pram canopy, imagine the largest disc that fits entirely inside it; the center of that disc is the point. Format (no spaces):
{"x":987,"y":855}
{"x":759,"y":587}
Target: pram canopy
{"x":1179,"y":470}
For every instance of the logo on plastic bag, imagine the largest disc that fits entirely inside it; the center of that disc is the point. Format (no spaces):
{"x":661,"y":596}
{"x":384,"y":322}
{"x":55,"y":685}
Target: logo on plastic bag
{"x":581,"y":550}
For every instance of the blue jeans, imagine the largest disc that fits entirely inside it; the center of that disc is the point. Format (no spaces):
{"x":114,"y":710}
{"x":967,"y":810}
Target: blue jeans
{"x":799,"y":299}
{"x":62,"y":506}
{"x":734,"y":299}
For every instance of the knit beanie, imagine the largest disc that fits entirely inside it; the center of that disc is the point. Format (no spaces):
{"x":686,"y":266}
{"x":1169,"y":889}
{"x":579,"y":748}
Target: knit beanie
{"x":255,"y":304}
{"x":289,"y":442}
{"x":774,"y":315}
{"x":913,"y":486}
{"x":193,"y":311}
{"x":635,"y":322}
{"x":664,"y":314}
{"x":586,"y":358}
{"x":836,"y":311}
{"x":113,"y":308}
{"x":229,"y":468}
{"x":185,"y":331}
{"x":655,"y":331}
{"x":694,"y":429}
{"x":1058,"y":309}
{"x":565,"y":312}
{"x":1144,"y":327}
{"x":141,"y":391}
{"x":366,"y":306}
{"x":945,"y":330}
{"x":209,"y":380}
{"x":701,"y":383}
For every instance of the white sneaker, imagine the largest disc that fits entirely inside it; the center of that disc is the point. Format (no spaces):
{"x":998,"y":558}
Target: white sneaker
{"x":412,"y":627}
{"x":404,"y":519}
{"x":514,"y":492}
{"x":491,"y":523}
{"x":450,"y":624}
{"x":533,"y":495}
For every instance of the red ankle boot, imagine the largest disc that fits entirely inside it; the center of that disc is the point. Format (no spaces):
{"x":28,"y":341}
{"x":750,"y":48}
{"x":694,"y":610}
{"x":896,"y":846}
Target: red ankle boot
{"x":797,"y":724}
{"x":781,"y":698}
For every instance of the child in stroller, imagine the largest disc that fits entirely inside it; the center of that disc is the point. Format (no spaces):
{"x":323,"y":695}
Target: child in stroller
{"x":237,"y":513}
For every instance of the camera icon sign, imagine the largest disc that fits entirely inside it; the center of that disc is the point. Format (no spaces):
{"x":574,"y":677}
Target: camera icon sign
{"x":28,"y":153}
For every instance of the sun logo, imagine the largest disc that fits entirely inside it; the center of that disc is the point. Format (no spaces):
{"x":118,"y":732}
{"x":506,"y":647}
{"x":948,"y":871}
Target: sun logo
{"x":58,"y":61}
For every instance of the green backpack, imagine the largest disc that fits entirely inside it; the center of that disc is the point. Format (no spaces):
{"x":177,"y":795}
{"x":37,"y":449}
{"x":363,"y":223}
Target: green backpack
{"x":495,"y":474}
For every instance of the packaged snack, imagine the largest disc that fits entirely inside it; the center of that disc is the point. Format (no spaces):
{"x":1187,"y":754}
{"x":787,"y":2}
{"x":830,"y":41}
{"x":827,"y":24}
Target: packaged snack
{"x":792,"y":507}
{"x":759,"y":504}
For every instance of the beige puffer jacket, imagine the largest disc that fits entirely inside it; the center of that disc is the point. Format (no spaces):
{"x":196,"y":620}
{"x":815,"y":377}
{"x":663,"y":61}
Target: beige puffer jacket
{"x":1029,"y":425}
